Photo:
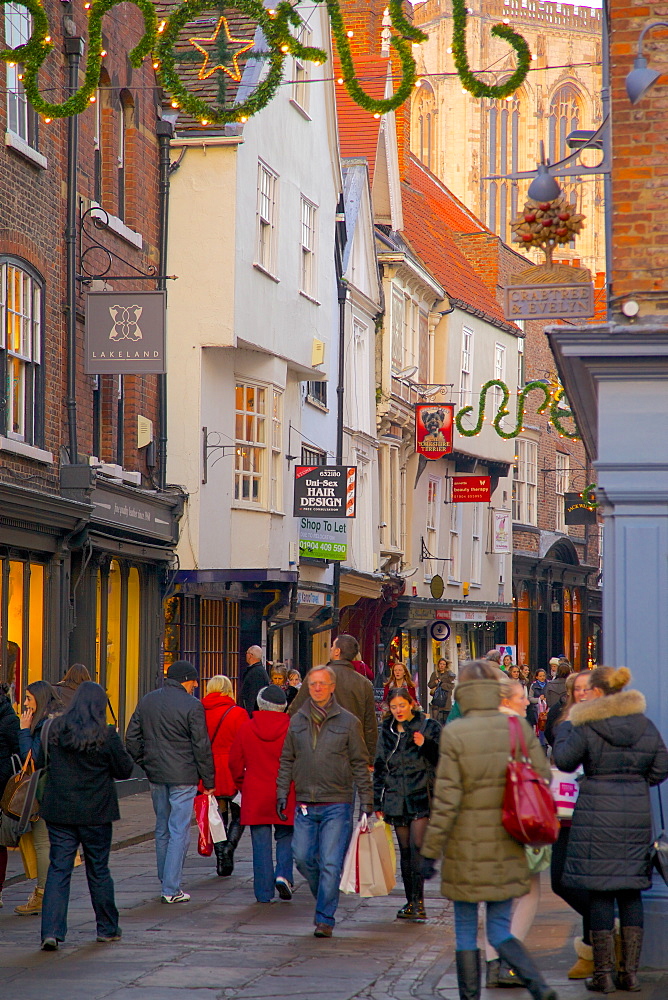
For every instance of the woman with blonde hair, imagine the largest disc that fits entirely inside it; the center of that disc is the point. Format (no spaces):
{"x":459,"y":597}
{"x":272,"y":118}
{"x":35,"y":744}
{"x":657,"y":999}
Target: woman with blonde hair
{"x":224,"y":718}
{"x":400,"y":677}
{"x":622,"y":754}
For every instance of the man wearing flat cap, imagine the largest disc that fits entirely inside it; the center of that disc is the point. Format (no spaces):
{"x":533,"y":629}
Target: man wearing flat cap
{"x":167,"y":737}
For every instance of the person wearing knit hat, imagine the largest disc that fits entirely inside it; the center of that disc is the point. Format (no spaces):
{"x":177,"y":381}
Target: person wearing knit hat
{"x":253,"y":761}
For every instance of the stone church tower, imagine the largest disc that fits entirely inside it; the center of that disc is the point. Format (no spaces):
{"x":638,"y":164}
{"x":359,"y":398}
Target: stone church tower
{"x":464,"y":139}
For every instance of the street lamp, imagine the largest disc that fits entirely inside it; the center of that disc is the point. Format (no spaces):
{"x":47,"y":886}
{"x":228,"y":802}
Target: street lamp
{"x":641,"y":77}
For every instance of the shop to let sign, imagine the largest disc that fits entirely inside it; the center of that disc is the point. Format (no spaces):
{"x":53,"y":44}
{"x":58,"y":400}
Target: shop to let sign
{"x":323,"y":538}
{"x":325,"y":490}
{"x":471,"y":489}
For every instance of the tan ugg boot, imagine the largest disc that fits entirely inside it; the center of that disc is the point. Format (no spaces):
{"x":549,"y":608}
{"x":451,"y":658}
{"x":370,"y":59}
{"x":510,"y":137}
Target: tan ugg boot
{"x":34,"y":905}
{"x":584,"y":967}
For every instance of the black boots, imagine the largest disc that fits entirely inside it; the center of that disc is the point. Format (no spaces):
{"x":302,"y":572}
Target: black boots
{"x":631,"y":948}
{"x":517,"y":957}
{"x":468,"y":974}
{"x":603,"y":946}
{"x":225,"y":850}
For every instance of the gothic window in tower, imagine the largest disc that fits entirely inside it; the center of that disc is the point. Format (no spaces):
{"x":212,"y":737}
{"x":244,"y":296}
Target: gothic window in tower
{"x":566,"y":115}
{"x":503,"y":159}
{"x":424,"y":124}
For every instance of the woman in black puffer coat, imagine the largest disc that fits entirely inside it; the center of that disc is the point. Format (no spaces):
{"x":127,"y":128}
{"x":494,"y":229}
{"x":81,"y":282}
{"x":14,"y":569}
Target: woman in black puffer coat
{"x":9,"y":745}
{"x":403,"y":781}
{"x":622,"y":754}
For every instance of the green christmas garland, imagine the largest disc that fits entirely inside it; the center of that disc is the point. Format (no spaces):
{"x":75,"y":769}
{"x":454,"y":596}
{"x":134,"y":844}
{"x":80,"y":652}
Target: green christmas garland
{"x":556,"y":413}
{"x":276,"y":30}
{"x":406,"y":34}
{"x":471,"y":82}
{"x":34,"y":52}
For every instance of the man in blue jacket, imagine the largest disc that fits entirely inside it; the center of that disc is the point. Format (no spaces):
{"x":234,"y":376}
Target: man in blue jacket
{"x":167,"y":737}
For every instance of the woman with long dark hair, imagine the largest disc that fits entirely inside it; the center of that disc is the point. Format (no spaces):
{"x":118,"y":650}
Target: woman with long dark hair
{"x":622,"y":754}
{"x":9,"y":745}
{"x":79,"y":806}
{"x":41,"y":702}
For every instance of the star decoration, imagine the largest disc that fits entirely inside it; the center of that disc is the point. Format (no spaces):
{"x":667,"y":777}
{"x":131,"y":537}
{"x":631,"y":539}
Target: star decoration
{"x":235,"y":73}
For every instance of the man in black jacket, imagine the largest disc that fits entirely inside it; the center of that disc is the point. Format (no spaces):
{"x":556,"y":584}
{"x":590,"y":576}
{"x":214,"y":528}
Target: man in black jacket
{"x":255,"y":678}
{"x":167,"y":737}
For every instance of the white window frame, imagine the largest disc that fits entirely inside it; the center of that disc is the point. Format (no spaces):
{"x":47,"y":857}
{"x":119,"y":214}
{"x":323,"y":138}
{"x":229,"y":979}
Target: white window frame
{"x":455,"y":553}
{"x":301,"y":73}
{"x":477,"y":521}
{"x":267,"y":218}
{"x":561,"y":484}
{"x":432,"y":525}
{"x":21,"y":316}
{"x":397,"y":329}
{"x":252,"y":448}
{"x":276,"y":482}
{"x":308,"y":221}
{"x":525,"y":482}
{"x":20,"y":117}
{"x":466,"y":368}
{"x":520,"y":364}
{"x":392,"y":483}
{"x":500,"y":374}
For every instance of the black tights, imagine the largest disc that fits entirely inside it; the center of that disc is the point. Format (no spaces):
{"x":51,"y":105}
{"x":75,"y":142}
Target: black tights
{"x":602,"y":909}
{"x":410,"y":841}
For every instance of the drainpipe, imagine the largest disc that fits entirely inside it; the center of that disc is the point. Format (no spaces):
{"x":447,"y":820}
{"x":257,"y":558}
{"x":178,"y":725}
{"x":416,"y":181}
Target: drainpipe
{"x":342,"y":289}
{"x":165,"y":133}
{"x":74,"y":49}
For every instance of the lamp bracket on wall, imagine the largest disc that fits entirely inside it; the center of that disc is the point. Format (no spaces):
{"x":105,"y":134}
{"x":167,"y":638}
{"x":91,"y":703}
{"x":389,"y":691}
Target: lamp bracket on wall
{"x":96,"y":260}
{"x":211,"y":441}
{"x":426,"y":554}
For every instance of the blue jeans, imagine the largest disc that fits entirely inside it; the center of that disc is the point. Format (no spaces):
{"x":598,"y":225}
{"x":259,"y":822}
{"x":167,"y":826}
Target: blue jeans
{"x":173,"y":805}
{"x":466,"y":924}
{"x":319,"y":845}
{"x":264,"y":874}
{"x":96,"y":844}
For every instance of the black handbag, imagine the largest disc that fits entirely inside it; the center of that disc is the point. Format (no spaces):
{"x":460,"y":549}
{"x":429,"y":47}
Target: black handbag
{"x":659,"y":849}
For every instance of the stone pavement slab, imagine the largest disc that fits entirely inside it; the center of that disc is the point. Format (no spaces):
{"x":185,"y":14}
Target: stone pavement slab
{"x":224,"y":945}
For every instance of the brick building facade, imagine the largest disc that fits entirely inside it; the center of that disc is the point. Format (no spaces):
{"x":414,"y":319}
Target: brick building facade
{"x":86,"y":535}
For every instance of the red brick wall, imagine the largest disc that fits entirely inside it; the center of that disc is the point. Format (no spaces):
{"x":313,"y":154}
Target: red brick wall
{"x":640,"y":160}
{"x":33,"y":220}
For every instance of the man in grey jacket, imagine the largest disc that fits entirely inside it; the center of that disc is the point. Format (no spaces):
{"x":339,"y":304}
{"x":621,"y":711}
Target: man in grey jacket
{"x":167,"y":737}
{"x":324,"y":754}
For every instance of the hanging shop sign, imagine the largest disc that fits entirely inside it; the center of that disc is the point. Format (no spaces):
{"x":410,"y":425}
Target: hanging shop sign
{"x":577,"y":509}
{"x":125,"y":333}
{"x":121,"y":507}
{"x":501,"y":532}
{"x":471,"y":489}
{"x":436,"y":586}
{"x":439,"y":631}
{"x":433,"y":429}
{"x":329,"y":490}
{"x":544,"y":292}
{"x":323,"y":538}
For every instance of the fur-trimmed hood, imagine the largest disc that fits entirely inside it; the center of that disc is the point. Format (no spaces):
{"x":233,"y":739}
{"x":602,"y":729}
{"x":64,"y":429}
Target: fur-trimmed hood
{"x":618,"y":718}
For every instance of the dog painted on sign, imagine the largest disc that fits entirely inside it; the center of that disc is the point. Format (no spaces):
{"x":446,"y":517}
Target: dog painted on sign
{"x":432,"y":420}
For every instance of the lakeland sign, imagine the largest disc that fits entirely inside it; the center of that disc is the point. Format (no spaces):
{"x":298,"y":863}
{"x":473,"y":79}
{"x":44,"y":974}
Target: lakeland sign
{"x":125,"y":333}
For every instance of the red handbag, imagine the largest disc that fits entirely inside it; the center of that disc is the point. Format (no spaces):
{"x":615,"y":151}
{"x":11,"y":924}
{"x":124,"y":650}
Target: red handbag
{"x":204,"y":840}
{"x":529,"y":814}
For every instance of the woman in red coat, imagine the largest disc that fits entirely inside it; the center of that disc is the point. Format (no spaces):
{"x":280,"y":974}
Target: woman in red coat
{"x":224,"y":718}
{"x":254,"y":760}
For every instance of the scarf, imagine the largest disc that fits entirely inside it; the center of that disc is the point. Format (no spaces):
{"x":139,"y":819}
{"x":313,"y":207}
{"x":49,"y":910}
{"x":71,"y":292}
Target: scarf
{"x":318,"y":716}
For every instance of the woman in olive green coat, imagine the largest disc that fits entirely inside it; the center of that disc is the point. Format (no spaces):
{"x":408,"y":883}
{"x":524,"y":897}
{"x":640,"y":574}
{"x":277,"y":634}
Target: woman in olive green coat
{"x":481,"y":862}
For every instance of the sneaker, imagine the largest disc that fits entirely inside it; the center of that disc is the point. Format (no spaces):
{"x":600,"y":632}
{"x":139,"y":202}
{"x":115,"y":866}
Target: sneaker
{"x":283,"y":887}
{"x":49,"y":944}
{"x":178,"y":897}
{"x":101,"y":939}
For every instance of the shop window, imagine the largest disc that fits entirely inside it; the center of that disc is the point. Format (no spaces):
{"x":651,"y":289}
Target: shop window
{"x":523,"y":624}
{"x":21,"y":352}
{"x":204,"y":631}
{"x":117,"y":645}
{"x":21,"y":624}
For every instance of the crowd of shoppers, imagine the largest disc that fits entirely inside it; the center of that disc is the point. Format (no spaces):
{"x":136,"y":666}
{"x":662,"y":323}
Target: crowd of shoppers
{"x":292,"y":760}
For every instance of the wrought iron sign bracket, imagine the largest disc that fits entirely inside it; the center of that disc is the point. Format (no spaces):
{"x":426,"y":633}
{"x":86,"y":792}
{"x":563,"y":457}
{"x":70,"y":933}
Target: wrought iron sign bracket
{"x":426,"y":554}
{"x":91,"y":250}
{"x":225,"y":450}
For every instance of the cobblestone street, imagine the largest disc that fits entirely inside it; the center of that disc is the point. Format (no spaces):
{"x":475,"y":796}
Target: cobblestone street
{"x":223,"y":944}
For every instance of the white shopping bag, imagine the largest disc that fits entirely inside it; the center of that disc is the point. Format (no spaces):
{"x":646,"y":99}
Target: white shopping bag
{"x":349,"y":876}
{"x":216,"y":825}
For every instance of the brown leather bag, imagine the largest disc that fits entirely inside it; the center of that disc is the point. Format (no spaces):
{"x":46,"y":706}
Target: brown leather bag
{"x":16,"y":791}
